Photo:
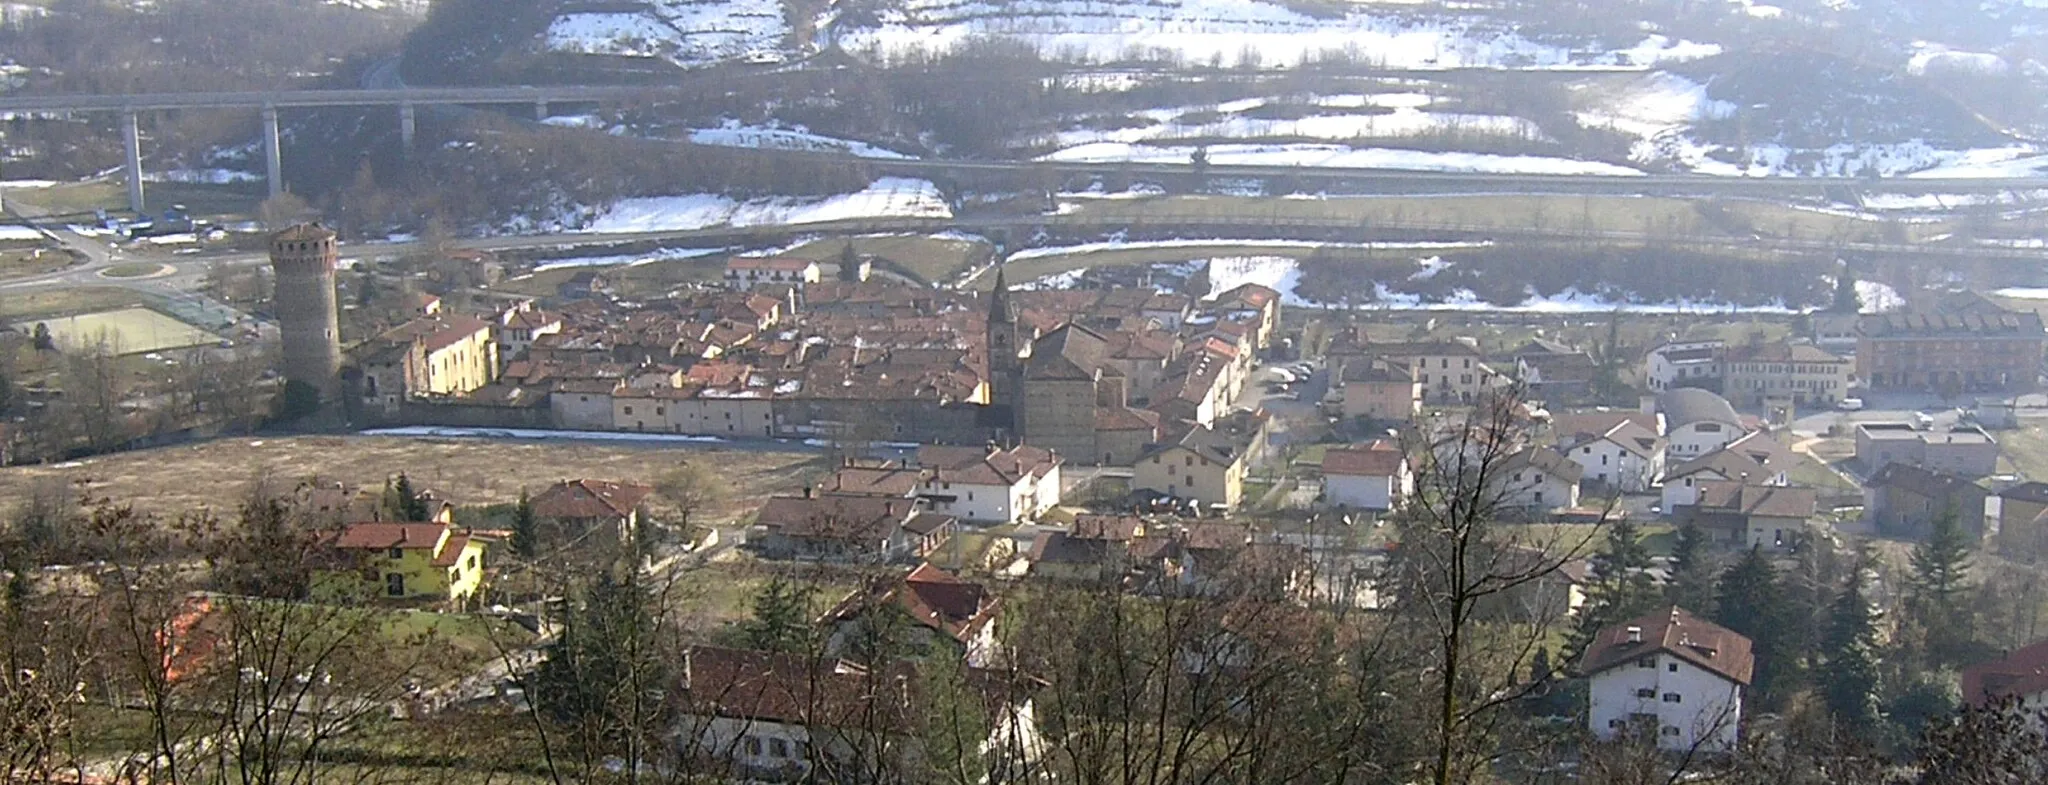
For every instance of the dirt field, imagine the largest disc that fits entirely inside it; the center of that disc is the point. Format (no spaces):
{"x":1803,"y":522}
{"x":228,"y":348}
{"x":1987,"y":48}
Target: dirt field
{"x":27,"y":305}
{"x":212,"y":475}
{"x":138,"y":330}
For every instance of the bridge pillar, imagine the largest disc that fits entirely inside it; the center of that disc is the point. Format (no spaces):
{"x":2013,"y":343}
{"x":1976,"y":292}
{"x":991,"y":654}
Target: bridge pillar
{"x":540,"y":110}
{"x":406,"y":127}
{"x":131,"y":138}
{"x":273,"y":157}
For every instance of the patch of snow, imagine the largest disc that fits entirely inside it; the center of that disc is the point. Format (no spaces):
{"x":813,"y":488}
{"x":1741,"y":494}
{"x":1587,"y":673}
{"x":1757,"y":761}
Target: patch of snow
{"x":1126,"y":245}
{"x":627,"y":260}
{"x":1279,"y":273}
{"x":1937,"y":58}
{"x":204,"y":176}
{"x":2023,"y":292}
{"x":733,"y":134}
{"x":1065,"y":280}
{"x":1989,"y":163}
{"x":16,"y":233}
{"x":574,"y":121}
{"x":27,"y":183}
{"x":1341,"y":157}
{"x":684,"y":32}
{"x":1244,"y":32}
{"x":888,"y":197}
{"x":1657,"y":104}
{"x":1878,"y":298}
{"x":1430,"y":267}
{"x":1403,"y":122}
{"x":1896,"y":202}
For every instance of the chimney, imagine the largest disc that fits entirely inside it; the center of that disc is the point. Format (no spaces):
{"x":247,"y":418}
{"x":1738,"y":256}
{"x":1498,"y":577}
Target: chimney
{"x":685,"y":676}
{"x":1635,"y":634}
{"x":889,"y":508}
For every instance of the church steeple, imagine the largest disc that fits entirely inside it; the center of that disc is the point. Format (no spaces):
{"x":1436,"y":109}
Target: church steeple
{"x":1005,"y":369}
{"x":999,"y":301}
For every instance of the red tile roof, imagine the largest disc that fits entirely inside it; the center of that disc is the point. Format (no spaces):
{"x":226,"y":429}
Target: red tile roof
{"x":1673,"y":631}
{"x":453,"y":552}
{"x":932,"y":597}
{"x":1379,"y":458}
{"x":2023,"y":672}
{"x":584,"y":499}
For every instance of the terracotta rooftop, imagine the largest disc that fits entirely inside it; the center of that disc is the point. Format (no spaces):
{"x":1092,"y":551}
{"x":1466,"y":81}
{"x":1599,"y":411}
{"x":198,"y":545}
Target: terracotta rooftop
{"x":1673,"y":631}
{"x":1378,"y":458}
{"x":586,"y":499}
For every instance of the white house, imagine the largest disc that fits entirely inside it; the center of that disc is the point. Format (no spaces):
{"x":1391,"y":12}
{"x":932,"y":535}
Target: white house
{"x":1625,"y":457}
{"x":1373,"y":476}
{"x":990,"y":485}
{"x":1755,"y":459}
{"x":1696,"y":422}
{"x":777,"y":717}
{"x":747,"y":272}
{"x":1669,"y":676}
{"x":1540,"y":479}
{"x":1684,"y":364}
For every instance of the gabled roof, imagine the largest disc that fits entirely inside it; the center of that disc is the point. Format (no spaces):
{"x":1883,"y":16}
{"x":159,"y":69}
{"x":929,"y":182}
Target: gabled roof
{"x":1769,"y":501}
{"x":1624,"y":434}
{"x":2023,"y":672}
{"x":934,"y":598}
{"x":582,"y":499}
{"x":1546,"y":460}
{"x":1922,"y":481}
{"x":986,"y":465}
{"x":873,"y":481}
{"x":1378,"y":458}
{"x":2030,"y":492}
{"x":1090,"y":526}
{"x":1728,"y":464}
{"x":1070,"y":352}
{"x":1224,"y":442}
{"x":384,"y":536}
{"x":1377,"y":372}
{"x":793,"y":689}
{"x":1571,"y":424}
{"x":1712,"y":647}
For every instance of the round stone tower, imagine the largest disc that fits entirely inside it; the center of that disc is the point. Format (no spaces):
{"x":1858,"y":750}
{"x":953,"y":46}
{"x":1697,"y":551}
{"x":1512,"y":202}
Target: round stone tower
{"x":304,"y":257}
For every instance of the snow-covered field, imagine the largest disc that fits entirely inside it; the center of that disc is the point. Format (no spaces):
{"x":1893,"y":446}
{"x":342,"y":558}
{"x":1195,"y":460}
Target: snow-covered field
{"x":1282,"y":274}
{"x":16,"y":233}
{"x":627,"y":260}
{"x":685,"y":32}
{"x":889,"y":197}
{"x":204,"y":176}
{"x":733,"y":134}
{"x":1248,"y":32}
{"x":1396,"y":115}
{"x":1135,"y":245}
{"x":1341,"y":157}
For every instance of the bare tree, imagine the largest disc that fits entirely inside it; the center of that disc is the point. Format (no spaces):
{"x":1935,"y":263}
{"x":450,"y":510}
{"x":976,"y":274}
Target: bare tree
{"x":1470,"y":583}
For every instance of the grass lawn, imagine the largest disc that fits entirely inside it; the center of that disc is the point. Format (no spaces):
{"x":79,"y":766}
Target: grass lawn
{"x":34,"y":303}
{"x":212,"y":475}
{"x":2027,"y":449}
{"x":712,"y":597}
{"x":26,"y":262}
{"x":132,"y":270}
{"x":931,"y":259}
{"x":131,"y":330}
{"x":1810,"y":471}
{"x":218,"y":202}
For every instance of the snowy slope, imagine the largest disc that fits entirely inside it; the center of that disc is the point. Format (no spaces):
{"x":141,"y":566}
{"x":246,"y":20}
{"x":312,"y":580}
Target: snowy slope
{"x":1336,"y":118}
{"x":889,"y":197}
{"x":680,"y":31}
{"x":733,"y":134}
{"x":1338,"y":156}
{"x":1230,"y":31}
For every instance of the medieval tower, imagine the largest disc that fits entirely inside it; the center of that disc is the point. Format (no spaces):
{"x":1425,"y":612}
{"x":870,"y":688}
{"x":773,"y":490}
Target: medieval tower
{"x":304,"y":257}
{"x":1005,"y":369}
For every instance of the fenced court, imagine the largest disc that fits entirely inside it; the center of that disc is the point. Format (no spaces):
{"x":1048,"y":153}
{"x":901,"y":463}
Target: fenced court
{"x":132,"y":330}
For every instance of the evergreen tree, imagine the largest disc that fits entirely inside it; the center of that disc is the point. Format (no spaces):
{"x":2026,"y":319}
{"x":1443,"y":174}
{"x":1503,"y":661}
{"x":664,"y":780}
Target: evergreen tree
{"x":525,"y":531}
{"x":43,"y":340}
{"x":604,"y":674}
{"x":7,"y":391}
{"x":1850,"y":681}
{"x":402,"y":502}
{"x":1622,"y":588}
{"x":1607,"y":376}
{"x":1692,"y":578}
{"x":1936,"y":591}
{"x":782,"y":618}
{"x":1747,"y":601}
{"x":1846,"y":298}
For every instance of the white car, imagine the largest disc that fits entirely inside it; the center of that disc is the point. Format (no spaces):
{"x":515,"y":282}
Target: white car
{"x":1850,"y":404}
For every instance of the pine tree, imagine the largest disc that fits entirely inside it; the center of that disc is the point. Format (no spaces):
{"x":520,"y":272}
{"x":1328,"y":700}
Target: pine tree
{"x":1607,"y":379}
{"x":1850,"y":680}
{"x":525,"y":531}
{"x":603,"y":675}
{"x":1746,"y":601}
{"x":1623,"y":587}
{"x":1692,"y":578}
{"x":781,"y":618}
{"x":1847,"y":300}
{"x":1936,"y":590}
{"x":403,"y":502}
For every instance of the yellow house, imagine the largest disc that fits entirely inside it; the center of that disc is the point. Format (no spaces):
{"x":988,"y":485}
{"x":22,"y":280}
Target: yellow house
{"x":428,"y":356}
{"x":1207,"y":465}
{"x":403,"y":561}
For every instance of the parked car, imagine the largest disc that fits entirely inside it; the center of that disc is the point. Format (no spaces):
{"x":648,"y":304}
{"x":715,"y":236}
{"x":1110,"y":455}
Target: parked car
{"x":1850,"y":404}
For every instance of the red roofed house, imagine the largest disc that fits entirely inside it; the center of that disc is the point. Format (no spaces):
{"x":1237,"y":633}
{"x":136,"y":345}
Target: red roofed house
{"x":1254,"y":297}
{"x":574,"y":509}
{"x":428,"y":356}
{"x":403,"y":561}
{"x":942,"y":610}
{"x":869,"y":529}
{"x":2021,"y":677}
{"x":989,"y":485}
{"x":1371,"y":476}
{"x":1671,"y":676}
{"x":747,"y":272}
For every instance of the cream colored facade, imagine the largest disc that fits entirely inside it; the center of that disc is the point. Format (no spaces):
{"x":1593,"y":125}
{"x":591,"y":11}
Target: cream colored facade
{"x":1185,"y":473}
{"x":464,"y":364}
{"x":1810,"y":377}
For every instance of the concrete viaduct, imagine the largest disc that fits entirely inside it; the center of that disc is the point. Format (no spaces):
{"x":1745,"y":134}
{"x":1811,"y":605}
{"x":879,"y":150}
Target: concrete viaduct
{"x":269,"y":103}
{"x":405,"y":99}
